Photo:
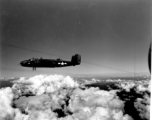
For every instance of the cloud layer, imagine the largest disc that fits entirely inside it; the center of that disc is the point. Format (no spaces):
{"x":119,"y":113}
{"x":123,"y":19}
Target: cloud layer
{"x":56,"y":97}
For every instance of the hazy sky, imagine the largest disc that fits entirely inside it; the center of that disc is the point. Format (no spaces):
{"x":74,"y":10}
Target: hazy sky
{"x":112,"y":33}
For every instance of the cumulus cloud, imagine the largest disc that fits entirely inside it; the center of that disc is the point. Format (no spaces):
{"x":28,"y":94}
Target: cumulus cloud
{"x":143,"y":107}
{"x":98,"y":104}
{"x":56,"y":97}
{"x":126,"y":85}
{"x":137,"y":95}
{"x":44,"y":84}
{"x":7,"y":112}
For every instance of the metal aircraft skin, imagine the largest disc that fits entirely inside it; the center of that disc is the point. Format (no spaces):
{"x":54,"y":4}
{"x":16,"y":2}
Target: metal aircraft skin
{"x":52,"y":63}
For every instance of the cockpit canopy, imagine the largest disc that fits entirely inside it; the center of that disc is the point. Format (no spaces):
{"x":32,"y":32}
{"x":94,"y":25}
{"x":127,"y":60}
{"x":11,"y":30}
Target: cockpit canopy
{"x":33,"y":59}
{"x":58,"y":59}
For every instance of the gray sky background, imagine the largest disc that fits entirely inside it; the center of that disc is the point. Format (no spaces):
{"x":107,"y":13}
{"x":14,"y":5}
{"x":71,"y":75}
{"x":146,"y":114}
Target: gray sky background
{"x":112,"y":33}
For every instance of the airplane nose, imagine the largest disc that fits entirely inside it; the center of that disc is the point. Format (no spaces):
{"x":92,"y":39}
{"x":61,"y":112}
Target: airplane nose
{"x":22,"y":63}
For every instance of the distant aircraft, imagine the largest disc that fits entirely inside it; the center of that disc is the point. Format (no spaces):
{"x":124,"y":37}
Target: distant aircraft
{"x":35,"y":62}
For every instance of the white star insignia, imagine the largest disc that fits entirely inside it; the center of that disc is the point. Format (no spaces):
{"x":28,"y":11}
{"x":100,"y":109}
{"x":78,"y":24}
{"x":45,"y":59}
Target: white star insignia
{"x":62,"y":63}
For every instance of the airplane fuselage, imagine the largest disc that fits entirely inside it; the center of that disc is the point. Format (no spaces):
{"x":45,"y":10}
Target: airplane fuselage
{"x":52,"y":63}
{"x":47,"y":63}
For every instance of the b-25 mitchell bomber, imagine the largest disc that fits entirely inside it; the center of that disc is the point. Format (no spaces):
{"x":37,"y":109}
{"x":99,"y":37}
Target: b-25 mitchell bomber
{"x":52,"y":63}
